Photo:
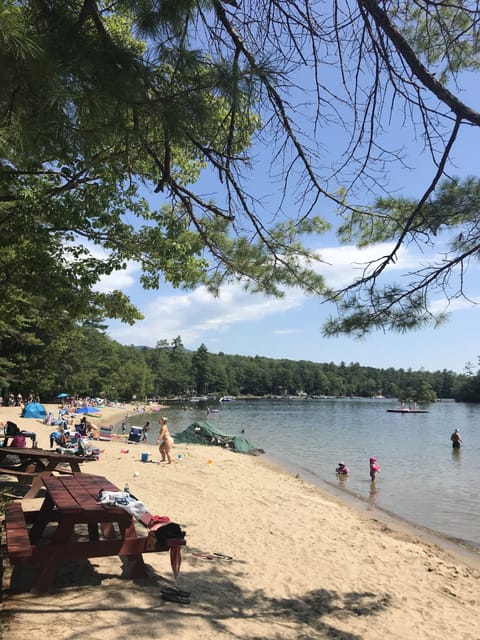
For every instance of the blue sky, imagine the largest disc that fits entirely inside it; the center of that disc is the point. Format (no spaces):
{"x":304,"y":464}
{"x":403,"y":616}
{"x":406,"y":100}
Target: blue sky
{"x":239,"y":323}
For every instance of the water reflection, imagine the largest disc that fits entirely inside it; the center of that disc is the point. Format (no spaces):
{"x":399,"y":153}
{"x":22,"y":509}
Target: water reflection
{"x":342,"y":479}
{"x":374,"y":494}
{"x":456,"y":454}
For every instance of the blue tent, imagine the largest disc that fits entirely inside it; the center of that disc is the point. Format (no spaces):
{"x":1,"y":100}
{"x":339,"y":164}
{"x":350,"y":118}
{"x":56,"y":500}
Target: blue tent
{"x":34,"y":410}
{"x":87,"y":410}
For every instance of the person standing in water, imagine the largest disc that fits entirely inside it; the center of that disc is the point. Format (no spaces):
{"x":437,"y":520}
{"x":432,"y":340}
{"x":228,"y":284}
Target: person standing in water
{"x":165,"y":441}
{"x":374,"y":468}
{"x":456,"y":439}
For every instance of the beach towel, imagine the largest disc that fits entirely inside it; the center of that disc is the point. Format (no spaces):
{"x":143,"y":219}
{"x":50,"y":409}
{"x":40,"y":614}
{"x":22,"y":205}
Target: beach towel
{"x":124,"y":500}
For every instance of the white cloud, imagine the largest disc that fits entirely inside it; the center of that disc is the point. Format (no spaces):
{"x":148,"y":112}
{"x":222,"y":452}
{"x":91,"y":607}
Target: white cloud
{"x":199,"y":317}
{"x":196,"y":315}
{"x":124,"y":279}
{"x":285,"y":332}
{"x":442,"y":305}
{"x":347,"y":263}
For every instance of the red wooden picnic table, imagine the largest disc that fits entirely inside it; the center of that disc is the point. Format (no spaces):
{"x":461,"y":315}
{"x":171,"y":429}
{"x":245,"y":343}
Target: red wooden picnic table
{"x":70,"y":502}
{"x":33,"y":463}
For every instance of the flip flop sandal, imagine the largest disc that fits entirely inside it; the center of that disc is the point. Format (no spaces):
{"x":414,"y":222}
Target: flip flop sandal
{"x":222,"y":556}
{"x":204,"y":556}
{"x":175,"y":591}
{"x":175,"y":597}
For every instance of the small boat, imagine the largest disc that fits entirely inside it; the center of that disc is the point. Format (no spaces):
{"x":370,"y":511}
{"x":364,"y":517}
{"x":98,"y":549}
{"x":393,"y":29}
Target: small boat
{"x":227,"y":399}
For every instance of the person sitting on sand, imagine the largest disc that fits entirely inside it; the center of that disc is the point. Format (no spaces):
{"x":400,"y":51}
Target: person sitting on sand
{"x":91,"y":430}
{"x":374,"y":468}
{"x":165,"y":441}
{"x":342,"y":468}
{"x":456,"y":439}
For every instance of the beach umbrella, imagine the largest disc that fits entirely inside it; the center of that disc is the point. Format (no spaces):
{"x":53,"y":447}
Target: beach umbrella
{"x":63,"y":395}
{"x":87,"y":410}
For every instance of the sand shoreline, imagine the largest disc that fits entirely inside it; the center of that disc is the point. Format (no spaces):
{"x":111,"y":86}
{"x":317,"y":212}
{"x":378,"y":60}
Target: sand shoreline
{"x":464,"y":550}
{"x":305,"y":563}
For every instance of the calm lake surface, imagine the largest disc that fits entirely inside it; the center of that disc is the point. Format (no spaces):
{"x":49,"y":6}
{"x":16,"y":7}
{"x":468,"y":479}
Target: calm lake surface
{"x":422,"y":479}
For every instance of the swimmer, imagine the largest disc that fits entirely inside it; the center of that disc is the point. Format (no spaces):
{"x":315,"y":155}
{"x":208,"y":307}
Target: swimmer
{"x":342,"y":468}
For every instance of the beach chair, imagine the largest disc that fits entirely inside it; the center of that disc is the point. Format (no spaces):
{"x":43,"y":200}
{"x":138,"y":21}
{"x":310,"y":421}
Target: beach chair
{"x":105,"y":433}
{"x":81,"y":429}
{"x":135,"y":434}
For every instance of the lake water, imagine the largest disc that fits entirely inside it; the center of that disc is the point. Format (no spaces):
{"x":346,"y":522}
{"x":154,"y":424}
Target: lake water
{"x":422,"y":479}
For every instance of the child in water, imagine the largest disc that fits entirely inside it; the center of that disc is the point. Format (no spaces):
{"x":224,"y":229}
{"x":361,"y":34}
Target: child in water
{"x":374,"y":468}
{"x":342,"y":468}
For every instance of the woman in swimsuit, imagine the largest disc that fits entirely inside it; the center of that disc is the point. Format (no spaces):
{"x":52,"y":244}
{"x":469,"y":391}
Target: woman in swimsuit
{"x":165,"y":441}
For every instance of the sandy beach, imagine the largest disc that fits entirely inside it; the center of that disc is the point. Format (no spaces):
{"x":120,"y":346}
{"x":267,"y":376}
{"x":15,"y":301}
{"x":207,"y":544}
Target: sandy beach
{"x":303,"y":565}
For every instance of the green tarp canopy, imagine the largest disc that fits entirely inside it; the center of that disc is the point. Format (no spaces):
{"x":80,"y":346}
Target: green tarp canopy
{"x":206,"y":433}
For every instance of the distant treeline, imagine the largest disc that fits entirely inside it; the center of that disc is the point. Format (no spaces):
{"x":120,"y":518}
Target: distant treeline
{"x":93,"y":364}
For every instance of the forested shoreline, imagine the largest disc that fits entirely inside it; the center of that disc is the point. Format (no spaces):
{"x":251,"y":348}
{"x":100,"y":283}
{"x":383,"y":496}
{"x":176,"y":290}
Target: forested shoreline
{"x":92,"y":364}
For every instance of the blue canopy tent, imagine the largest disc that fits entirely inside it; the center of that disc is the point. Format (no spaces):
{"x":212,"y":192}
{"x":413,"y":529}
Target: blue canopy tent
{"x":34,"y":410}
{"x":87,"y":410}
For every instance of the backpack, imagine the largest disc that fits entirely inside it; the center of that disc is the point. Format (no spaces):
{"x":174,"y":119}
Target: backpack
{"x":169,"y":530}
{"x":11,"y":429}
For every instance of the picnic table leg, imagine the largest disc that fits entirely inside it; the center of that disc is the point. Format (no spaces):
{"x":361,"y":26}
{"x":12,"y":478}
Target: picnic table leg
{"x":108,"y":531}
{"x":41,"y":521}
{"x":93,"y":532}
{"x":136,"y":565}
{"x":37,"y":485}
{"x":45,"y":576}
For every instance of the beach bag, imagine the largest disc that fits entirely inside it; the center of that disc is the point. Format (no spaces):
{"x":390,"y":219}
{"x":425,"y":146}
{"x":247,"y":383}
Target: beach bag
{"x":11,"y":429}
{"x":19,"y":441}
{"x":168,"y":530}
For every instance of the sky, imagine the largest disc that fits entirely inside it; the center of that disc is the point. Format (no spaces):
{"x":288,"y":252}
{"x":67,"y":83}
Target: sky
{"x":291,"y":327}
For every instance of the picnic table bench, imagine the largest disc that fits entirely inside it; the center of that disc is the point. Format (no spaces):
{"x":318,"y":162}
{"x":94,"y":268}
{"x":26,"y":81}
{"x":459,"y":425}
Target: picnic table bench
{"x":84,"y":529}
{"x":33,"y":463}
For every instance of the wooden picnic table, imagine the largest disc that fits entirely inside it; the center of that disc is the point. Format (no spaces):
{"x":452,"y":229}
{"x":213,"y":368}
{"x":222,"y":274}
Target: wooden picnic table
{"x":84,"y":528}
{"x":33,"y":463}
